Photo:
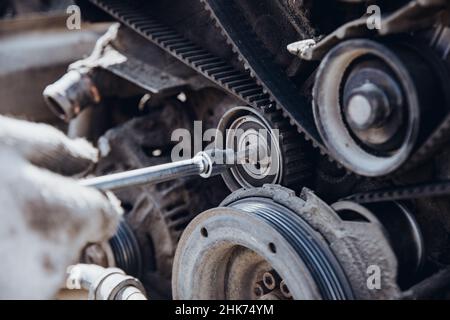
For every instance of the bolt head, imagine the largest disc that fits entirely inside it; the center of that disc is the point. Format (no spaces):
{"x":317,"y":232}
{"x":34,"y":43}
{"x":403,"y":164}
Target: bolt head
{"x":367,"y":107}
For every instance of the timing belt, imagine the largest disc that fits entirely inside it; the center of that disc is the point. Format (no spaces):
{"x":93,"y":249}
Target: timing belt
{"x":425,"y":190}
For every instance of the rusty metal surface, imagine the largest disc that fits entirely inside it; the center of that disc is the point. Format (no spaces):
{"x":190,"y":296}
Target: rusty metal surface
{"x":35,"y":52}
{"x":355,"y":245}
{"x":157,"y":214}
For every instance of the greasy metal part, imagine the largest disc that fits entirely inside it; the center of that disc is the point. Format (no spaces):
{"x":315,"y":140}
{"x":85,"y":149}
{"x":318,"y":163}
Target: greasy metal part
{"x":271,"y":280}
{"x":383,"y":146}
{"x":104,"y":284}
{"x":32,"y":59}
{"x":429,"y":288}
{"x":88,"y":81}
{"x":84,"y":87}
{"x":281,"y":157}
{"x":328,"y":111}
{"x":126,"y":251}
{"x":373,"y":106}
{"x":127,"y":55}
{"x":403,"y":232}
{"x":154,"y":76}
{"x":417,"y":14}
{"x":241,"y":127}
{"x":244,"y":44}
{"x":302,"y":48}
{"x":310,"y":49}
{"x":223,"y":251}
{"x":367,"y":107}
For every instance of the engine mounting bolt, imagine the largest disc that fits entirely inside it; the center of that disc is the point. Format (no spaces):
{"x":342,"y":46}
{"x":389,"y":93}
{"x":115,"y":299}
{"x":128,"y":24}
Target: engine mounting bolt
{"x":367,"y":107}
{"x":271,"y":280}
{"x":259,"y":290}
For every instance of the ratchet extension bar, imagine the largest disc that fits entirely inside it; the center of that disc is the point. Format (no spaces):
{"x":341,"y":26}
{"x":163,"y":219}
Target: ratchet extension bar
{"x":205,"y":164}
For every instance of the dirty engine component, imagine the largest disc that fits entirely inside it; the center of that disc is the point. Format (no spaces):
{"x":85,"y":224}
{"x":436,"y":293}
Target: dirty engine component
{"x":353,"y":118}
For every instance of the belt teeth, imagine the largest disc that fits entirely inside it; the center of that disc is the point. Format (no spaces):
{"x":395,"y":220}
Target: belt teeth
{"x":201,"y":57}
{"x":207,"y":66}
{"x":219,"y":69}
{"x":238,"y":82}
{"x":230,"y":77}
{"x":175,"y":42}
{"x":243,"y":87}
{"x":162,"y":34}
{"x":190,"y":51}
{"x":139,"y":21}
{"x":259,"y":97}
{"x":153,"y":30}
{"x":224,"y":76}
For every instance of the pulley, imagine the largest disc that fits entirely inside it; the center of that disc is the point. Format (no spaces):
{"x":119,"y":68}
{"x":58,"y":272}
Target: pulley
{"x":281,"y":155}
{"x":374,"y":103}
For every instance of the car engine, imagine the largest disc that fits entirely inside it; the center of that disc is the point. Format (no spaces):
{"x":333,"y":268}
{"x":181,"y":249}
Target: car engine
{"x":348,"y":102}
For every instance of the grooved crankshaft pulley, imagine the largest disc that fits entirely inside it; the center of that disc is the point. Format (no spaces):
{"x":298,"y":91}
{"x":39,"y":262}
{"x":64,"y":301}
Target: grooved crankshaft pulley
{"x":225,"y":253}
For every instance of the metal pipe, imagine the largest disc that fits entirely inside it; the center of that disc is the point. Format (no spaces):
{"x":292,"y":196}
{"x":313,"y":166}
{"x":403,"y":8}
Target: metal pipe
{"x":104,"y":284}
{"x":71,"y":94}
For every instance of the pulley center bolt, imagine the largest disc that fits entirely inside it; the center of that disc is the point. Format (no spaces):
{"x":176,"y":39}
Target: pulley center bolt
{"x":259,"y":163}
{"x":367,"y":107}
